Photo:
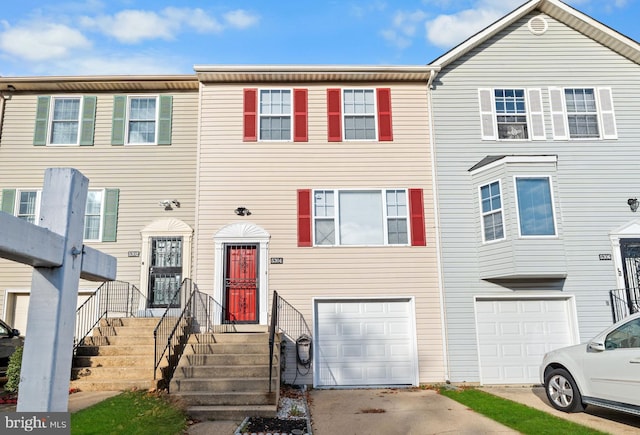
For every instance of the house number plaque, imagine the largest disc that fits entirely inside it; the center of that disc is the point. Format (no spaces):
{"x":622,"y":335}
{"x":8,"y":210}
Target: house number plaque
{"x":277,"y":260}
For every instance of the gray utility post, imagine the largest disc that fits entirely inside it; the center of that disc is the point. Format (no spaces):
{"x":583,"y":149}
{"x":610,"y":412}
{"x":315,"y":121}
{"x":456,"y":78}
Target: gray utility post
{"x":55,"y":250}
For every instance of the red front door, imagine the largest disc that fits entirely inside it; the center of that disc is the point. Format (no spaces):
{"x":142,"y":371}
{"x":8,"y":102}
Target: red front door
{"x":241,"y":284}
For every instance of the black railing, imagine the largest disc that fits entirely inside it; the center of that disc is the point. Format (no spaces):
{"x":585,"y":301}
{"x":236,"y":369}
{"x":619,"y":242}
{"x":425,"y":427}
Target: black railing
{"x":286,"y":319}
{"x":111,"y":299}
{"x":624,"y":302}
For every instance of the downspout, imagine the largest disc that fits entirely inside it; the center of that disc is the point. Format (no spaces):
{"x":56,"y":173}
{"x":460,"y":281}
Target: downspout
{"x":436,"y":212}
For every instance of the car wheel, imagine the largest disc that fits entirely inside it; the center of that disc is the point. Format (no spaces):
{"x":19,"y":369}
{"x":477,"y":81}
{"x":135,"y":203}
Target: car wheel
{"x":562,"y":391}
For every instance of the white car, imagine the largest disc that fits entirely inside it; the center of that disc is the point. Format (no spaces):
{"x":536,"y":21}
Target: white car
{"x":603,"y":372}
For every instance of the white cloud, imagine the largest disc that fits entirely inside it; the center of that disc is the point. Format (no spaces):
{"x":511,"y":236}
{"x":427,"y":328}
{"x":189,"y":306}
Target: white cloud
{"x":38,"y":41}
{"x":240,"y":19}
{"x":403,"y":28}
{"x":446,"y":31}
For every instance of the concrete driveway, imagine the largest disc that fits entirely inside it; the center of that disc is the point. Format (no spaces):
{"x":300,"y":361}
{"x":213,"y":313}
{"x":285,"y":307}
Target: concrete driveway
{"x":394,"y":411}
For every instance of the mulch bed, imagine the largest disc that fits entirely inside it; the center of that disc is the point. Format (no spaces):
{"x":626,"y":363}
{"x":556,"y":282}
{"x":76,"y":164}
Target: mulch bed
{"x":274,"y":425}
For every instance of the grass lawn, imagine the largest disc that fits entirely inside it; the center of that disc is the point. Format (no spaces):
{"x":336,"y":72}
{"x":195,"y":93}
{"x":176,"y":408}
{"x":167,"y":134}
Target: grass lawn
{"x":131,"y":413}
{"x":515,"y":415}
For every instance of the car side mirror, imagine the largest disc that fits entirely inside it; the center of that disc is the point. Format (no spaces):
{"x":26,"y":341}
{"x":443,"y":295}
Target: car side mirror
{"x":596,"y":346}
{"x":15,"y":333}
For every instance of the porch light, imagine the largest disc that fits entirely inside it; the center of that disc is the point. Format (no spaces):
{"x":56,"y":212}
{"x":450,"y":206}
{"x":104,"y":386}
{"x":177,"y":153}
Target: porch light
{"x":633,"y":204}
{"x":242,"y":211}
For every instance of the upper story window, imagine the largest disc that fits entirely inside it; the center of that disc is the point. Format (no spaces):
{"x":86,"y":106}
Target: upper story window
{"x":371,"y":217}
{"x":511,"y":114}
{"x":142,"y":120}
{"x":359,"y":114}
{"x":65,"y":120}
{"x":491,"y":210}
{"x":535,"y":206}
{"x":101,"y":211}
{"x":141,"y":123}
{"x":275,"y":114}
{"x":582,"y":113}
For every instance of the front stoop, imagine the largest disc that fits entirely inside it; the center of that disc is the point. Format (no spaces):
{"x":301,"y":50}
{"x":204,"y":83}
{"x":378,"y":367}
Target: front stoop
{"x":118,"y":356}
{"x":225,"y":376}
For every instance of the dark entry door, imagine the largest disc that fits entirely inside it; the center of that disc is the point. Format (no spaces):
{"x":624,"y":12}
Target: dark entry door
{"x":630,"y":251}
{"x":165,"y":271}
{"x":241,"y":283}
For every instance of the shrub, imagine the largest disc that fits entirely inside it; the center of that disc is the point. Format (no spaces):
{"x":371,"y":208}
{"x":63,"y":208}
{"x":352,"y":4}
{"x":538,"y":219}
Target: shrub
{"x":13,"y":371}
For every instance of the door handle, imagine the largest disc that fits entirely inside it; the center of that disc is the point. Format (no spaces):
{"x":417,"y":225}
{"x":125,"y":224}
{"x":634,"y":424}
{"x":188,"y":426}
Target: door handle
{"x":635,"y":361}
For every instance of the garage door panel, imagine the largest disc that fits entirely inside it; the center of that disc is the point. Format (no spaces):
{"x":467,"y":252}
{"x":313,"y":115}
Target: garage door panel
{"x":514,"y":335}
{"x":370,"y":343}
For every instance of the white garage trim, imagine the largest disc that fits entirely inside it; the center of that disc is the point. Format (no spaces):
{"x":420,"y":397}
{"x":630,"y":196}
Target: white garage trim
{"x":364,"y":342}
{"x":514,"y":332}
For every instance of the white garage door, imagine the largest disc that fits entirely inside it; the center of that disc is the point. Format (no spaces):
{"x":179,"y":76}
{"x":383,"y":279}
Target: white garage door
{"x":365,"y":343}
{"x":18,"y":309}
{"x":514,"y":335}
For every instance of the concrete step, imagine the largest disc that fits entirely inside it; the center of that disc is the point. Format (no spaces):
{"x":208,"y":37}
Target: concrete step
{"x":225,"y":348}
{"x":224,"y":371}
{"x":226,"y":360}
{"x":142,"y":350}
{"x":138,"y":322}
{"x":234,"y":398}
{"x":119,"y":340}
{"x":230,"y":412}
{"x":108,"y":331}
{"x":113,"y":384}
{"x":230,"y":338}
{"x":222,"y":384}
{"x":111,"y":373}
{"x":114,"y":361}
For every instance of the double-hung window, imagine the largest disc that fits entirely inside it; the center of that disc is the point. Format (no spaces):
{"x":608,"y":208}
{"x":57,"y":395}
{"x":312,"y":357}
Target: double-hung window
{"x":275,"y":114}
{"x":511,"y":114}
{"x":93,"y":215}
{"x":491,"y":209}
{"x":141,"y":122}
{"x":359,"y":114}
{"x":535,"y":206}
{"x":360,"y":217}
{"x":28,"y":204}
{"x":582,"y":113}
{"x":65,"y":120}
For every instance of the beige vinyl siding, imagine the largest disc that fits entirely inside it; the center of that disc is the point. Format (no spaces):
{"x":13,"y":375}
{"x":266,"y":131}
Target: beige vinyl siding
{"x":265,"y":176}
{"x":594,"y":177}
{"x":144,"y":175}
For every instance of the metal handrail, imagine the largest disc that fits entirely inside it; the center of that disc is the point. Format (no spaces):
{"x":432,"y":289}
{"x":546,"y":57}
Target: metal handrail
{"x":286,"y":319}
{"x":112,"y":298}
{"x":624,"y":302}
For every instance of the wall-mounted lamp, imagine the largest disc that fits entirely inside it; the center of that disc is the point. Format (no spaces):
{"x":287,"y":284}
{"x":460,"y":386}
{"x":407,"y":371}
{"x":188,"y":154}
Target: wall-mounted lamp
{"x":242,"y":211}
{"x":168,"y":204}
{"x":633,"y":204}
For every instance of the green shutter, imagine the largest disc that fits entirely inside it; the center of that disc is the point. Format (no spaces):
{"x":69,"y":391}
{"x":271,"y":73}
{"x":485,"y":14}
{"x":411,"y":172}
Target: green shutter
{"x":164,"y":121}
{"x":119,"y":111}
{"x":8,"y":200}
{"x":110,"y":218}
{"x":88,"y":120}
{"x":42,"y":121}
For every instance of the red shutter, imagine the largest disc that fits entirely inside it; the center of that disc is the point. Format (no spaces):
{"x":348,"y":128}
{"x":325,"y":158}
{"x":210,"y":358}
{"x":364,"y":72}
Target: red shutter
{"x":300,"y":130}
{"x":416,"y":214}
{"x":334,"y":115}
{"x":385,"y":131}
{"x":250,"y":130}
{"x":304,"y":218}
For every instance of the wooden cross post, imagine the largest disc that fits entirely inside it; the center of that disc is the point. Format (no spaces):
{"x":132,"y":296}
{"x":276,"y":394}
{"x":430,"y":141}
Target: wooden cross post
{"x":55,"y":250}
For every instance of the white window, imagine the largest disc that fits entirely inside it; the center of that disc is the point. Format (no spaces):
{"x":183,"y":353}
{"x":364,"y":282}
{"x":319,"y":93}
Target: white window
{"x":582,"y":113}
{"x":360,"y":217}
{"x":359,"y":114}
{"x":142,"y":115}
{"x":65,"y":120}
{"x":275,"y":114}
{"x":491,"y":212}
{"x":93,"y":215}
{"x":28,"y":205}
{"x":535,"y":206}
{"x":511,"y":114}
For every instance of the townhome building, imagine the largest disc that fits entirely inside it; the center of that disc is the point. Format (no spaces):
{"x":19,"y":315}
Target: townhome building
{"x":135,"y":138}
{"x":315,"y":183}
{"x":535,"y":133}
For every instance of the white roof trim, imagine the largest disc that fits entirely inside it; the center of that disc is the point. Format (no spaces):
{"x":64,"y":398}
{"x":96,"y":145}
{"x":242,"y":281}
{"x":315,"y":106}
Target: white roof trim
{"x":558,"y":10}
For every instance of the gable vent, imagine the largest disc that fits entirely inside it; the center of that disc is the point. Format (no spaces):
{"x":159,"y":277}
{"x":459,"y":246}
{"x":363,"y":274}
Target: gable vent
{"x":538,"y":25}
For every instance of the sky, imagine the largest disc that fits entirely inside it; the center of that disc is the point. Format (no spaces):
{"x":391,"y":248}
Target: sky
{"x":139,"y":37}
